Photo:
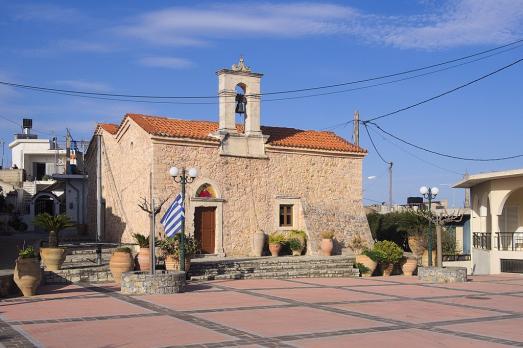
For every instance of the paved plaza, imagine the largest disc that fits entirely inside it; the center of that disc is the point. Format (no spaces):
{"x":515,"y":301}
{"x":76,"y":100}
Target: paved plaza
{"x":327,"y":312}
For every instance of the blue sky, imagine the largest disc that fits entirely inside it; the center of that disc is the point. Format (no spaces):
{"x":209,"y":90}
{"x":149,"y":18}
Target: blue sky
{"x":171,"y":48}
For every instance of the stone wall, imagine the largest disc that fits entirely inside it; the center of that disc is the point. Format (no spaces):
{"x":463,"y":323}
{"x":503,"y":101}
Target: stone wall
{"x":327,"y":186}
{"x":13,"y":177}
{"x":126,"y":163}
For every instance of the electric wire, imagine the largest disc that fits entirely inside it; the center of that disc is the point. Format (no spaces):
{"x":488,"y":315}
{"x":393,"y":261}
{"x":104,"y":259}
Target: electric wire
{"x":440,"y":153}
{"x":444,"y":93}
{"x":100,"y":94}
{"x":374,"y":145}
{"x":417,"y":157}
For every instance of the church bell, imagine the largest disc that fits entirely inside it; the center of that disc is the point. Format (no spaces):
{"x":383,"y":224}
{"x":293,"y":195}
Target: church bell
{"x":241,"y":101}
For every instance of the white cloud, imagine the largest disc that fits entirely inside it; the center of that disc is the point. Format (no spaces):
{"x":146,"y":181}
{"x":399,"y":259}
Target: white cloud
{"x":464,"y":22}
{"x":453,"y":23}
{"x":87,"y":86}
{"x":194,"y":26}
{"x":165,"y":62}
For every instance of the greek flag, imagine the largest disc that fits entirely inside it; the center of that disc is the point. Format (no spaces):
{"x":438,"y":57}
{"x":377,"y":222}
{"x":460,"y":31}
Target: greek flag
{"x":172,"y":220}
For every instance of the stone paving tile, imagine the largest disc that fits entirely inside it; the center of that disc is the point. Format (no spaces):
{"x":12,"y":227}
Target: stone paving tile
{"x":257,"y":284}
{"x":400,"y":338}
{"x":493,"y":288}
{"x":136,"y":332}
{"x":316,"y":295}
{"x":338,"y":281}
{"x":415,"y":291}
{"x":68,"y":308}
{"x":288,"y":321}
{"x":499,"y":302}
{"x":416,"y":311}
{"x":510,"y":329}
{"x":202,"y":300}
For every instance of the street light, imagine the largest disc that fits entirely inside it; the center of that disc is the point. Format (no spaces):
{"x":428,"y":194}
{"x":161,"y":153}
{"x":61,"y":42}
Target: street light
{"x":429,"y":193}
{"x":186,"y":177}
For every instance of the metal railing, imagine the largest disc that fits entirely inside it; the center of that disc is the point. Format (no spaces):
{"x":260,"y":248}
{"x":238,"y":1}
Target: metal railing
{"x":509,"y":241}
{"x":482,"y":240}
{"x":505,"y":241}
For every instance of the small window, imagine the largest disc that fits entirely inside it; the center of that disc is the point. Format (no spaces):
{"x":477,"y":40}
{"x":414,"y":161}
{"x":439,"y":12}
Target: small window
{"x":285,"y":215}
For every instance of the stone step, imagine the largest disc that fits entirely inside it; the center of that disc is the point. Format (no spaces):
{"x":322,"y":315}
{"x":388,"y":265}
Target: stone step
{"x":330,"y":273}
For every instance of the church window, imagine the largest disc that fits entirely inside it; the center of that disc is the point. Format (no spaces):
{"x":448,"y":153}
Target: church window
{"x":285,"y":215}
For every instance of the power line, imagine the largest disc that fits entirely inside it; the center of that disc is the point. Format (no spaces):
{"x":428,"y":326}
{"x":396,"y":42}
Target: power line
{"x":374,"y":145}
{"x":444,"y":93}
{"x":443,"y":154}
{"x":419,"y":158}
{"x":121,"y":95}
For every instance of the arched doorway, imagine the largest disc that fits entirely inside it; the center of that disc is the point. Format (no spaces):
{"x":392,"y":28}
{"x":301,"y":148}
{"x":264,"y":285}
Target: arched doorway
{"x":205,"y":220}
{"x":511,"y":222}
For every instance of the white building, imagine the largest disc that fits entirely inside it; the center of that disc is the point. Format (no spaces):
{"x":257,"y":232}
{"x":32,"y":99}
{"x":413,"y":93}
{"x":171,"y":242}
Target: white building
{"x":496,"y":221}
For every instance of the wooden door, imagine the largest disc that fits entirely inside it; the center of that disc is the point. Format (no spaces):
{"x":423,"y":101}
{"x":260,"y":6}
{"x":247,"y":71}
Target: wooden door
{"x":204,"y":228}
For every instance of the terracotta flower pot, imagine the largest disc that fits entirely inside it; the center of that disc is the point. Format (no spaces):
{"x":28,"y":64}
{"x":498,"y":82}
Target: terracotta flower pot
{"x":409,"y":266}
{"x":416,"y":244}
{"x":275,"y":249}
{"x":143,"y":260}
{"x":120,"y":262}
{"x":27,"y":275}
{"x":387,"y":268}
{"x":172,"y":263}
{"x":367,"y":262}
{"x":326,"y":247}
{"x":425,"y":258}
{"x":53,"y":257}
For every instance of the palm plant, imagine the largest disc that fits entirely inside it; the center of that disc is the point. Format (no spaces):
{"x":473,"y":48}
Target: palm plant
{"x":53,"y":224}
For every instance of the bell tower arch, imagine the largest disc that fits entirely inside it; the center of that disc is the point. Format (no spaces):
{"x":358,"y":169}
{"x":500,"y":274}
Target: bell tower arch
{"x":251,"y":142}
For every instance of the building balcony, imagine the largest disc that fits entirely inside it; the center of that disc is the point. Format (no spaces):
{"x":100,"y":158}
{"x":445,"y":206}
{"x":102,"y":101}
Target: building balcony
{"x":504,"y":241}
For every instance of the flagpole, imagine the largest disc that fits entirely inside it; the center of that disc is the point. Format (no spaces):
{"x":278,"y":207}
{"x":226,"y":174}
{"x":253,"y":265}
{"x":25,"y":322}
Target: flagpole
{"x":151,"y":235}
{"x":182,"y":235}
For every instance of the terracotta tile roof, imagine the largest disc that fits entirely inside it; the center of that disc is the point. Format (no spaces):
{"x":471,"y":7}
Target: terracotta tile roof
{"x":278,"y":136}
{"x":109,"y":127}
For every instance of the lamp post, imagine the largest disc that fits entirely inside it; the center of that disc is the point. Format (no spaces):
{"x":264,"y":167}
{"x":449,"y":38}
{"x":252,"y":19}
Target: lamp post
{"x":429,"y":193}
{"x":185,"y":177}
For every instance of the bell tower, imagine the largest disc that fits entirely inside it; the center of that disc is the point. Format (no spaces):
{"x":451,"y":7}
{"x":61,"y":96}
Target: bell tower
{"x":239,"y":94}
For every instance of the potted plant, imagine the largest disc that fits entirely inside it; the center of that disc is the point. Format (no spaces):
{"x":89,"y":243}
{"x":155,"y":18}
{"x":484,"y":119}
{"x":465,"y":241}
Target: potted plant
{"x":171,"y":248}
{"x":301,"y":236}
{"x":296,"y":246}
{"x":327,"y":244}
{"x":276,"y":240}
{"x":53,"y":256}
{"x":27,"y":274}
{"x":388,"y":253}
{"x":121,"y":261}
{"x":369,"y":259}
{"x":143,"y":258}
{"x":409,"y":264}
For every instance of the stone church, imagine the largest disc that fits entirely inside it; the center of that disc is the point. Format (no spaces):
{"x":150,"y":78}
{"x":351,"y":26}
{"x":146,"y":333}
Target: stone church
{"x":251,"y":177}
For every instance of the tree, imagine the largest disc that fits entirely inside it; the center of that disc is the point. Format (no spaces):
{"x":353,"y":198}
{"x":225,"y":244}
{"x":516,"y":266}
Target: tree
{"x":440,"y":220}
{"x":53,"y":224}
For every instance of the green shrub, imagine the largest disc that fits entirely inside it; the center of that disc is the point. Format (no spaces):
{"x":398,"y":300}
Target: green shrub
{"x":141,"y":239}
{"x":388,"y":252}
{"x":371,"y":254}
{"x":301,"y":235}
{"x":123,"y":250}
{"x":295,"y":244}
{"x":27,"y":253}
{"x":276,"y":238}
{"x":363,"y":269}
{"x":171,"y":246}
{"x":327,"y":235}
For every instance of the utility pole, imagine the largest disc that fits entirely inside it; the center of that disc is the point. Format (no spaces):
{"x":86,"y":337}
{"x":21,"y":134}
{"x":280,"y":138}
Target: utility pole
{"x":99,"y":198}
{"x":390,"y":186}
{"x":356,"y":135}
{"x":3,"y":144}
